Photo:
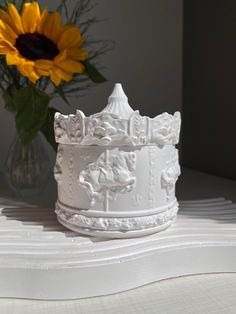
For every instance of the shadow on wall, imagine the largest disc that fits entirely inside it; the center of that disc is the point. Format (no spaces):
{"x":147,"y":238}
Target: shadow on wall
{"x":209,"y":87}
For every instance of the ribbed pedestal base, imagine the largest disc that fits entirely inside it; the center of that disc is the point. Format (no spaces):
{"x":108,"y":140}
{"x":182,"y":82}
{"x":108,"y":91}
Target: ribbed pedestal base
{"x":40,"y":259}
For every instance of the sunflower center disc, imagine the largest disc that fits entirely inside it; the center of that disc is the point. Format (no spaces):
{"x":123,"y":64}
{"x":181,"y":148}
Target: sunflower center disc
{"x":36,"y":46}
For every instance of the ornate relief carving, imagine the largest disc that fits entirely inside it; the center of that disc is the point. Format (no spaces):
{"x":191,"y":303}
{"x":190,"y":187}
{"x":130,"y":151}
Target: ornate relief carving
{"x":60,"y":127}
{"x":71,"y":172}
{"x":152,"y":177}
{"x":109,"y":175}
{"x":58,"y":165}
{"x":139,"y":129}
{"x":69,"y":129}
{"x":165,"y":129}
{"x":109,"y":129}
{"x":118,"y":224}
{"x":75,"y":127}
{"x":170,"y":175}
{"x":104,"y":129}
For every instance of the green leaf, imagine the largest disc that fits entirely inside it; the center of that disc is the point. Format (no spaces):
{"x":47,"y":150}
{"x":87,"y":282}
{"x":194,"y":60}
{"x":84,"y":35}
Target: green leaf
{"x":32,"y":107}
{"x":93,"y":73}
{"x":48,"y":127}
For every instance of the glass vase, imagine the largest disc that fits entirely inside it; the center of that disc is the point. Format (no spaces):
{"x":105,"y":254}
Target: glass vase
{"x":28,"y":167}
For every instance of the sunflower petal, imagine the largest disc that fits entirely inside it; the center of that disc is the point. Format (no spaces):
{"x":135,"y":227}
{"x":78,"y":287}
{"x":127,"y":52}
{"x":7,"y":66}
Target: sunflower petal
{"x":30,"y":17}
{"x":15,"y":18}
{"x":70,"y":38}
{"x":53,"y":28}
{"x":13,"y":59}
{"x":6,"y":32}
{"x":4,"y":50}
{"x":43,"y":64}
{"x":27,"y":69}
{"x":71,"y":66}
{"x":55,"y":78}
{"x":66,"y":26}
{"x":5,"y":17}
{"x":63,"y":74}
{"x":6,"y":47}
{"x":42,"y":21}
{"x":43,"y":67}
{"x":60,"y":57}
{"x":77,"y":54}
{"x":41,"y":72}
{"x":33,"y":76}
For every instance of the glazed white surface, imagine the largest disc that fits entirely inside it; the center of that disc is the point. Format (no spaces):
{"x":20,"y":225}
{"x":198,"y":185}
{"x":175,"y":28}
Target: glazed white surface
{"x":116,"y":170}
{"x":148,"y":191}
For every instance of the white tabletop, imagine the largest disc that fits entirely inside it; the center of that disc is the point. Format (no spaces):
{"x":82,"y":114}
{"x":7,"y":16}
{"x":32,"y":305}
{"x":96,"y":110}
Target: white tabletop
{"x":214,"y":293}
{"x":203,"y":294}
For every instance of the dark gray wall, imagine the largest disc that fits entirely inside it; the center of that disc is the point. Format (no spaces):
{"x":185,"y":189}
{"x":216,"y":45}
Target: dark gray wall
{"x":209,"y":86}
{"x":147,"y":59}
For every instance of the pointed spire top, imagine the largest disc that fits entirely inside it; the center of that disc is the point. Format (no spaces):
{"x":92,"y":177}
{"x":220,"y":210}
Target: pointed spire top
{"x":117,"y":94}
{"x":118,"y":103}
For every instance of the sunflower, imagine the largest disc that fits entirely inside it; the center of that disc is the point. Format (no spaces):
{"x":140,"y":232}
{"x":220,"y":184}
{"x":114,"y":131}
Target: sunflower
{"x":39,"y":45}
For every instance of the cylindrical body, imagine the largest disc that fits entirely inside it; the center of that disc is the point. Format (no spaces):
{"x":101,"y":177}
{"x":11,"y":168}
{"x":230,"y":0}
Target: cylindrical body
{"x":117,"y":191}
{"x":116,"y":173}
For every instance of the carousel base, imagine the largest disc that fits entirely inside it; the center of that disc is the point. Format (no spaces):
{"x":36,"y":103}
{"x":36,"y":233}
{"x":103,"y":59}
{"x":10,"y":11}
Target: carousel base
{"x":119,"y":224}
{"x":40,"y":259}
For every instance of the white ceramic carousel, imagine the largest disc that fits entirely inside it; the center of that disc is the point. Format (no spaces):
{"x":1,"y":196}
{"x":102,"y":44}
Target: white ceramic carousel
{"x":116,"y":170}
